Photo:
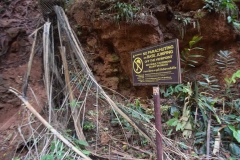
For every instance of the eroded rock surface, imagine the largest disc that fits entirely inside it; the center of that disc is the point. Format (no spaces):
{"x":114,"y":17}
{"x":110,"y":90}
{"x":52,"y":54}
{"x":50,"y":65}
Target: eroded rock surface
{"x":111,"y":43}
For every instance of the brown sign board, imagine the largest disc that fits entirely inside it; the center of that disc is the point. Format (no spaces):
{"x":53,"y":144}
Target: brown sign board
{"x":158,"y":64}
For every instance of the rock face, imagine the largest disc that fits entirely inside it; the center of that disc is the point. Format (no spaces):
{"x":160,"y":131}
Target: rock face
{"x":18,"y":19}
{"x":110,"y":43}
{"x":191,"y":5}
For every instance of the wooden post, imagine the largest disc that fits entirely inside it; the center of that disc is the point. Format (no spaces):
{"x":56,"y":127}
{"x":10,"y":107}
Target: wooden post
{"x":158,"y":123}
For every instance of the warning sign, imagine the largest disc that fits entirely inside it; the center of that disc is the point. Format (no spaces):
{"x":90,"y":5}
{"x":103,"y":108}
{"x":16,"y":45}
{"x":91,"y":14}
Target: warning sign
{"x":159,"y":64}
{"x":137,"y":65}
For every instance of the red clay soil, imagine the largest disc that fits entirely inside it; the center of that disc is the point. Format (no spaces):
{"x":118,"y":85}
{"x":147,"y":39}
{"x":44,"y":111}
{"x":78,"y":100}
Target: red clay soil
{"x":18,"y":19}
{"x":109,"y":44}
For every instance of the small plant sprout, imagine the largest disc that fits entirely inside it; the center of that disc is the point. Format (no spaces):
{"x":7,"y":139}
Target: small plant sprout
{"x":210,"y":83}
{"x":188,"y":55}
{"x":124,"y":11}
{"x":225,"y":60}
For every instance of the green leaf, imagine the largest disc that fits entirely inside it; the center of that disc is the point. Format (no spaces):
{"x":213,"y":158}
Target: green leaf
{"x":198,"y":48}
{"x":137,"y":103}
{"x":173,"y":110}
{"x":183,"y":61}
{"x":203,"y":83}
{"x":179,"y":127}
{"x":216,"y":86}
{"x":228,"y":80}
{"x":199,"y":141}
{"x":237,"y":135}
{"x":196,"y":38}
{"x":234,"y":148}
{"x":200,"y":134}
{"x":73,"y":104}
{"x":170,"y":132}
{"x":195,"y":155}
{"x":60,"y":154}
{"x":203,"y":111}
{"x":47,"y":157}
{"x":230,"y":116}
{"x":205,"y":75}
{"x":218,"y":119}
{"x":193,"y":61}
{"x":191,"y":65}
{"x":235,"y":75}
{"x":220,"y":62}
{"x":183,"y":145}
{"x":237,"y":24}
{"x":196,"y":55}
{"x":178,"y":88}
{"x":171,"y":121}
{"x":191,"y":43}
{"x":86,"y":152}
{"x":175,"y":123}
{"x":214,"y":80}
{"x":229,"y":18}
{"x":176,"y":114}
{"x":81,"y":142}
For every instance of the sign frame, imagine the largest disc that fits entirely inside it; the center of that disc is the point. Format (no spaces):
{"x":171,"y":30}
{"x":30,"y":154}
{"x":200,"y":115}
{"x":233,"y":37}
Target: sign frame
{"x":150,"y":60}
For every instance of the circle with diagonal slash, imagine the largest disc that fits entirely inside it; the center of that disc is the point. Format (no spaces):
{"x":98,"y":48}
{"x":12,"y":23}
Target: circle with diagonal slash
{"x":137,"y":65}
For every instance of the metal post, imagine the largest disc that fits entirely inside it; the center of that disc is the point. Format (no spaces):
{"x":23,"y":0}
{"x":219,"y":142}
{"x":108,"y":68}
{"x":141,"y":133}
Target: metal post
{"x":158,"y":123}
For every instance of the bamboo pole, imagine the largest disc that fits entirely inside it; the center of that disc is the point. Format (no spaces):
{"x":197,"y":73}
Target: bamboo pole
{"x":25,"y":85}
{"x":71,"y":97}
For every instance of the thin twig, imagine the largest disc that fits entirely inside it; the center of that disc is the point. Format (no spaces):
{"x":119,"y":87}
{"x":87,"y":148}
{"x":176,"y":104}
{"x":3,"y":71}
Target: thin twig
{"x":208,"y":136}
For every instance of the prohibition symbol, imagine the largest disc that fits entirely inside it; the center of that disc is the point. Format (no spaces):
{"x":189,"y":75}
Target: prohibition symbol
{"x":138,"y":65}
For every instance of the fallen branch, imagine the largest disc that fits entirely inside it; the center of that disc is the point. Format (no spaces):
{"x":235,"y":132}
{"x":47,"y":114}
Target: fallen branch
{"x":136,"y":148}
{"x":47,"y":125}
{"x":71,"y":97}
{"x":25,"y":85}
